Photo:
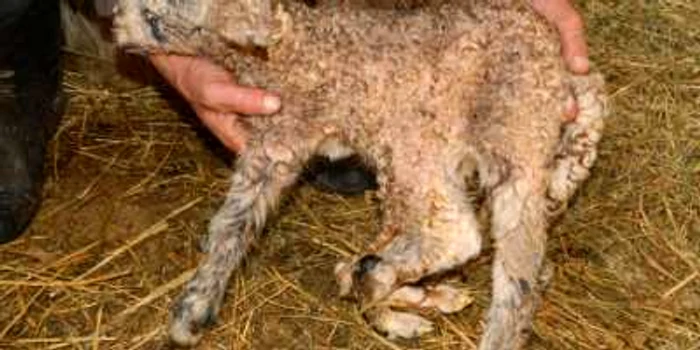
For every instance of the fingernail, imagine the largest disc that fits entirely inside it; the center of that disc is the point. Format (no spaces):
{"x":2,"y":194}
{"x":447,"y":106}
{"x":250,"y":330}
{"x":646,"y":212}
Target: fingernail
{"x":579,"y":64}
{"x":271,"y":103}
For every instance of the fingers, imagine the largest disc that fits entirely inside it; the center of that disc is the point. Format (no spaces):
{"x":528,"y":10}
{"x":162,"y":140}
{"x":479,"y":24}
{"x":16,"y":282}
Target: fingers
{"x":215,"y":97}
{"x":227,"y":97}
{"x":210,"y":86}
{"x":225,"y":127}
{"x":571,"y":31}
{"x":573,"y":40}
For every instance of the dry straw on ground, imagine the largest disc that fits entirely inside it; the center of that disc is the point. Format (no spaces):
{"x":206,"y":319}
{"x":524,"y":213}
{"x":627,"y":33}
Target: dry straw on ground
{"x":133,"y":179}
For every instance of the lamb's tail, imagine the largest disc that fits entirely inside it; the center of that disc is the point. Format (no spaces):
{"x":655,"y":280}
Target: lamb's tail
{"x":577,"y":151}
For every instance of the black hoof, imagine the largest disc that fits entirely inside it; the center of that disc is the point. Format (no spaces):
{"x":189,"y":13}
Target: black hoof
{"x":189,"y":319}
{"x":366,"y":264}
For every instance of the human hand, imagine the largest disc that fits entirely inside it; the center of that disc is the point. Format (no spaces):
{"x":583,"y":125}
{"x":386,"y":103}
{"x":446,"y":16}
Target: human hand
{"x":214,"y":95}
{"x":573,"y":39}
{"x":569,"y":23}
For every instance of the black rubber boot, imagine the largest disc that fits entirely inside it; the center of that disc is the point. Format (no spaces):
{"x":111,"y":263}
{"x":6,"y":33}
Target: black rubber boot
{"x":31,"y":104}
{"x":346,"y":176}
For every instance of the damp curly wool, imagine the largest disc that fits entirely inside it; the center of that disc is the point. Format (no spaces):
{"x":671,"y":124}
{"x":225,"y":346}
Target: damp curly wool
{"x":426,"y":97}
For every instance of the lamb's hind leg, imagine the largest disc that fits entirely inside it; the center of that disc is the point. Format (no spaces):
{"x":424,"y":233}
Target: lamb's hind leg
{"x":519,"y":231}
{"x":384,"y":279}
{"x":265,"y":169}
{"x":395,"y":315}
{"x":381,"y":279}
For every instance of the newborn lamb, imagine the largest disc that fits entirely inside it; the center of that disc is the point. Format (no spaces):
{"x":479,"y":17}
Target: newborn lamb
{"x":427,"y":97}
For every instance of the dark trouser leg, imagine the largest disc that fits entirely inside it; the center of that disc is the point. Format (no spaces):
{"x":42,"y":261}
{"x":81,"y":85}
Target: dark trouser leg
{"x":30,"y":107}
{"x":11,"y":11}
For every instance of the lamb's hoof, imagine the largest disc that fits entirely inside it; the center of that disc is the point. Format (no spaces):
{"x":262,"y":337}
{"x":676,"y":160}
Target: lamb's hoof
{"x":448,"y":299}
{"x":343,"y":275}
{"x":204,"y":244}
{"x":365,"y":274}
{"x":365,"y":266}
{"x":443,"y":298}
{"x":191,"y":314}
{"x":397,"y":324}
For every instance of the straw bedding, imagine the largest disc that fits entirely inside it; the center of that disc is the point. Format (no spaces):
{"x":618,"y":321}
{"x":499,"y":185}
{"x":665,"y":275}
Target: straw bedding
{"x":134,"y":178}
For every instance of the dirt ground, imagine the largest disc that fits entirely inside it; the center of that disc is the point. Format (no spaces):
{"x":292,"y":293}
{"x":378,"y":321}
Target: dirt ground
{"x":133,"y":180}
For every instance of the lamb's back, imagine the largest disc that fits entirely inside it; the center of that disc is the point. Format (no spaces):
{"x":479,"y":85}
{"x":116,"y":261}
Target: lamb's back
{"x":408,"y":79}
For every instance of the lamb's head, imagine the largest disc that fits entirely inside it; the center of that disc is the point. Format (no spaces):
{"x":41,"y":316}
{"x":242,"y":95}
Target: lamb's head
{"x":180,"y":26}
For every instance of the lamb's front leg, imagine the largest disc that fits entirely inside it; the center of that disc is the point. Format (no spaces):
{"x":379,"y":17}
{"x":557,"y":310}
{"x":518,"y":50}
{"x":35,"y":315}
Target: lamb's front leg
{"x":519,"y":231}
{"x":267,"y":166}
